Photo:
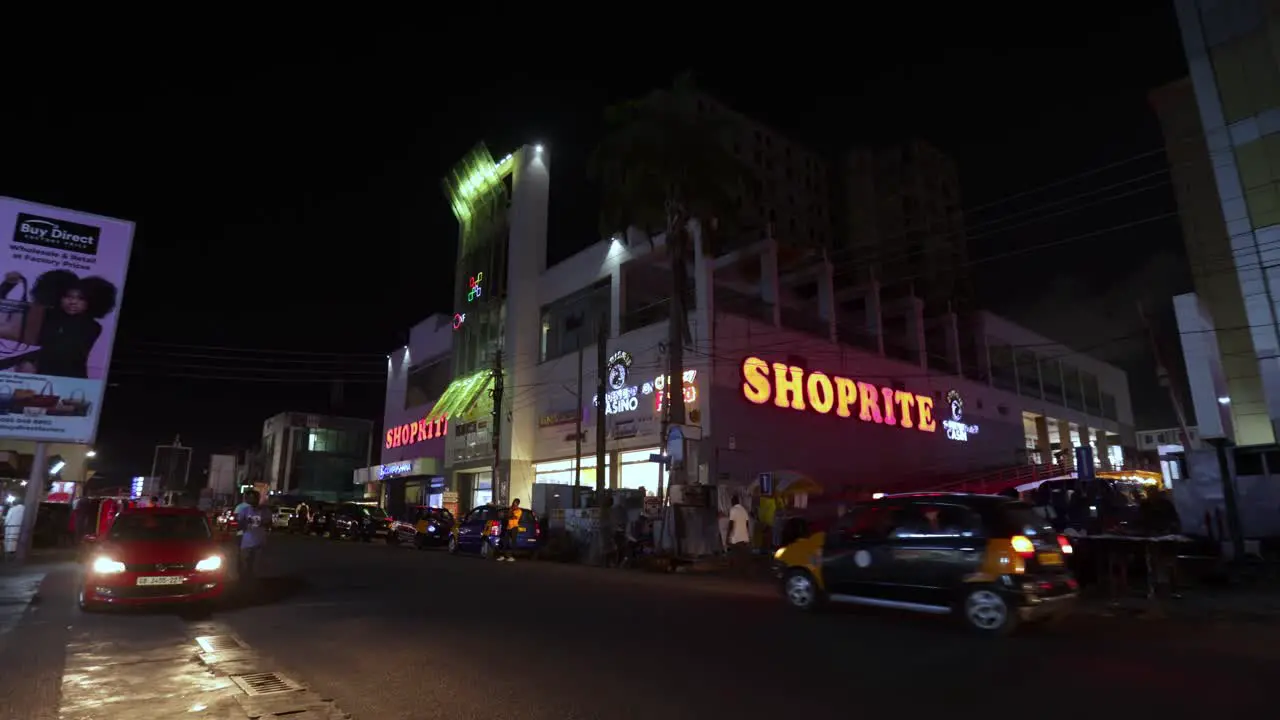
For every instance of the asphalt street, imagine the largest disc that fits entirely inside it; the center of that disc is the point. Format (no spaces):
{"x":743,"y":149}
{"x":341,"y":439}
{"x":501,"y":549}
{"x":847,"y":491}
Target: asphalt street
{"x":400,"y":633}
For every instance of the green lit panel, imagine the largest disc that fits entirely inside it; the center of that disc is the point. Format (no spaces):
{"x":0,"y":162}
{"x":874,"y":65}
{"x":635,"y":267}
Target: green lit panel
{"x":476,"y":178}
{"x":459,"y":401}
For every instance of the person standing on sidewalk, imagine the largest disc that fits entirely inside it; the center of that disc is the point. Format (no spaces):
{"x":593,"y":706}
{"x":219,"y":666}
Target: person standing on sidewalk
{"x":13,"y":529}
{"x":512,"y":531}
{"x":253,"y":534}
{"x":739,"y":535}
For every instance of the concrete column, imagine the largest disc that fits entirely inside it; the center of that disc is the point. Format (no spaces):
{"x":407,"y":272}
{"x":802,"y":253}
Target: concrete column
{"x":827,"y":296}
{"x":617,"y":301}
{"x":1104,"y":455}
{"x":1042,"y":440}
{"x":915,"y":330}
{"x":1065,"y":446}
{"x":769,"y":290}
{"x":875,"y":315}
{"x":952,"y":330}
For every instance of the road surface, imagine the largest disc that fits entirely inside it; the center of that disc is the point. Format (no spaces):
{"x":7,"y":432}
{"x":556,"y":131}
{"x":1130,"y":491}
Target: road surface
{"x":399,"y":633}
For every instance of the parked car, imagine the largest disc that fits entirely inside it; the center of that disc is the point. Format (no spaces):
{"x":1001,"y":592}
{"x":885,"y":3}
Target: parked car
{"x":281,"y":517}
{"x":350,"y":521}
{"x":991,"y":560}
{"x":154,"y":555}
{"x":321,"y":515}
{"x":480,"y":532}
{"x":423,"y":526}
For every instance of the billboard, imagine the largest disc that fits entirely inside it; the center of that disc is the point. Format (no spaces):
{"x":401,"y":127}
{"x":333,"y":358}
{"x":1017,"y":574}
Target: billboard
{"x":61,"y":280}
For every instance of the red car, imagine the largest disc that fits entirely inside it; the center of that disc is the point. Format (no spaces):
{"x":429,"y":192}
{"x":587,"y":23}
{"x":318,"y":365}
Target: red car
{"x":155,"y":555}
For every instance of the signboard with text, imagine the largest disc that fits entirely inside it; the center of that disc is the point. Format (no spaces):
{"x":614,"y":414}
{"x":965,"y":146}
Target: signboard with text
{"x":61,"y":282}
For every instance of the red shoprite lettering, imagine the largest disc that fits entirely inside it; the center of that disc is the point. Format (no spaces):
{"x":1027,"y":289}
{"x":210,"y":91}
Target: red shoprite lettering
{"x":415,"y":432}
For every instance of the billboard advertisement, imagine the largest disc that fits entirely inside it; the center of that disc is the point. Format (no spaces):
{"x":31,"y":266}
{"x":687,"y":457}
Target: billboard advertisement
{"x":62,"y":276}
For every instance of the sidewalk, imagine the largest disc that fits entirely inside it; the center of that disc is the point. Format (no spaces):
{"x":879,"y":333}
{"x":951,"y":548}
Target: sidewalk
{"x":39,"y":605}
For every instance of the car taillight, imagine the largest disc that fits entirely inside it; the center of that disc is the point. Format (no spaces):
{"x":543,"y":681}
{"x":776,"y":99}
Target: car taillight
{"x":537,"y":530}
{"x":1022,"y":545}
{"x":1065,"y":545}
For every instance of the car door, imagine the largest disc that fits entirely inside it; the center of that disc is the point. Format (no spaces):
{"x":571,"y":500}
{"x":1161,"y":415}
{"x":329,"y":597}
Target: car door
{"x":470,"y":529}
{"x":934,"y":545}
{"x":855,"y":555}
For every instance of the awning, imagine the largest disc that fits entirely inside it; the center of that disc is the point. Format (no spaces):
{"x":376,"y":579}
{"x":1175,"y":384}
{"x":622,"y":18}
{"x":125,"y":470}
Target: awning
{"x":460,"y":401}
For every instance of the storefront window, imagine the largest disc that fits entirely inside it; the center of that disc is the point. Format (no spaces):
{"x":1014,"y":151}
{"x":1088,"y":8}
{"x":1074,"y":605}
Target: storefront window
{"x":1116,"y":454}
{"x":635,"y":470}
{"x":482,"y":491}
{"x":561,"y":472}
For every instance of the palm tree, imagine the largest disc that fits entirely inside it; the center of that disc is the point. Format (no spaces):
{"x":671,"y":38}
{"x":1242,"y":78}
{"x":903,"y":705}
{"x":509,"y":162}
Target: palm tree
{"x":662,"y":164}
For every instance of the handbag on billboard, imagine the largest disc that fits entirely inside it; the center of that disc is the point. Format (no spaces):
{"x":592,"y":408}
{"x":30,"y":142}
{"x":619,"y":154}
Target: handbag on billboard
{"x":20,"y":319}
{"x":41,"y":399}
{"x":75,"y":405}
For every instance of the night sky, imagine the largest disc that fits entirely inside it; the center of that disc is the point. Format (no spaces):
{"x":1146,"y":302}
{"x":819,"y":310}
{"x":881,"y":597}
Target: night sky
{"x":291,"y":225}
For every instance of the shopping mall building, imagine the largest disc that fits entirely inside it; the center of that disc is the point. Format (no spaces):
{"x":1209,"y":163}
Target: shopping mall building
{"x":783,"y":372}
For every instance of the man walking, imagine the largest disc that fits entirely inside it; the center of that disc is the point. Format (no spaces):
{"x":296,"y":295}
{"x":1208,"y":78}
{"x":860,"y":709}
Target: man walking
{"x":253,"y":534}
{"x":739,"y":535}
{"x":512,"y":530}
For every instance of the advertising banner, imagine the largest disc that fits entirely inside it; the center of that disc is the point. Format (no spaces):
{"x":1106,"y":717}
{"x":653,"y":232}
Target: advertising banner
{"x":61,"y":280}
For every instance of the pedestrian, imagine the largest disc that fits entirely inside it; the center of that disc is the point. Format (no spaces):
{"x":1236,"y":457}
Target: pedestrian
{"x":13,"y":528}
{"x":253,"y":534}
{"x":512,"y":531}
{"x":739,"y":534}
{"x":302,"y":516}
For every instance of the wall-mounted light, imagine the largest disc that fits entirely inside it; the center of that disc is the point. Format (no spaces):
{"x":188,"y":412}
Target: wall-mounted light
{"x":1224,"y":400}
{"x":56,"y":464}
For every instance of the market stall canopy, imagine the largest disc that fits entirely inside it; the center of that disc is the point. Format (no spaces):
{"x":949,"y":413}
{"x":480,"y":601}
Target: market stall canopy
{"x":790,"y":482}
{"x":460,"y":401}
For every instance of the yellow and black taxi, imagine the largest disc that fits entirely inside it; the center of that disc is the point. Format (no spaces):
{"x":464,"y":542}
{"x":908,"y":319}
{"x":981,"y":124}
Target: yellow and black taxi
{"x":989,"y":559}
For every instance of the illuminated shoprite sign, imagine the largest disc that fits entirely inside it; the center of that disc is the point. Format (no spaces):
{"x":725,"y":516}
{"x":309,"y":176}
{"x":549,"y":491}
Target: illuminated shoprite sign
{"x":788,"y":386}
{"x":955,"y":427}
{"x":416,"y":432}
{"x":621,"y":397}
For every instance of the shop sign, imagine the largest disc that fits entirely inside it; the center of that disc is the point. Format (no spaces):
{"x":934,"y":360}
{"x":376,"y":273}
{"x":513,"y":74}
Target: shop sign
{"x":956,"y":428}
{"x":623,"y":397}
{"x":415,"y":432}
{"x":788,"y":386}
{"x":562,"y":417}
{"x":391,"y":470}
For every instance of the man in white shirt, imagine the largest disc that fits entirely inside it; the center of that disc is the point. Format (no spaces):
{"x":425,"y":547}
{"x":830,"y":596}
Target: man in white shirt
{"x":739,"y":535}
{"x":253,"y":533}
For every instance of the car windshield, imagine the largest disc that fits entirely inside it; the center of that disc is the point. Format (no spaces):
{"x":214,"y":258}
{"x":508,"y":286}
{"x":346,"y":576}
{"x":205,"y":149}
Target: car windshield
{"x":159,"y":526}
{"x":376,"y":513}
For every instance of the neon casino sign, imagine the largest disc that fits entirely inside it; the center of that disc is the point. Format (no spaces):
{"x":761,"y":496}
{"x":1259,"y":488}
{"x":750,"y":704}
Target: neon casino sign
{"x":788,"y":386}
{"x":956,"y":428}
{"x":416,"y":432}
{"x":623,"y":397}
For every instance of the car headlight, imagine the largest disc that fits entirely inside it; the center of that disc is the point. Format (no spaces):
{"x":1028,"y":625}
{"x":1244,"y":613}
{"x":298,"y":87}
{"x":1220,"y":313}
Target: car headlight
{"x":431,"y":528}
{"x":209,"y":564}
{"x":107,"y":566}
{"x":777,"y":555}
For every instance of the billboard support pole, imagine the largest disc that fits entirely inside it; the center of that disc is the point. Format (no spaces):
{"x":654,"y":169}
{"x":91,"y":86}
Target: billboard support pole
{"x":31,"y":503}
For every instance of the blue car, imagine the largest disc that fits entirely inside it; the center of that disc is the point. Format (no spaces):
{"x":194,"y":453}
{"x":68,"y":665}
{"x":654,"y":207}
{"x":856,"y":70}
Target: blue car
{"x":480,"y":531}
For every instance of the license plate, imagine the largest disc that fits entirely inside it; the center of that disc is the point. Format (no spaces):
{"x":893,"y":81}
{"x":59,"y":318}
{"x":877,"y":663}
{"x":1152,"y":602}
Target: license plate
{"x":161,"y":580}
{"x":520,"y":529}
{"x":1050,"y":558}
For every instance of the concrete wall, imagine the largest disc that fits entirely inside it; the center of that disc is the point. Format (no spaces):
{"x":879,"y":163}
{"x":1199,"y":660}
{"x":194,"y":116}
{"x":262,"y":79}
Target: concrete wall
{"x":432,"y":338}
{"x":754,"y":438}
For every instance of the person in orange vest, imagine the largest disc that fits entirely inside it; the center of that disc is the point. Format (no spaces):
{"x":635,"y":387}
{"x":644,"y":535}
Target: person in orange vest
{"x":512,"y":530}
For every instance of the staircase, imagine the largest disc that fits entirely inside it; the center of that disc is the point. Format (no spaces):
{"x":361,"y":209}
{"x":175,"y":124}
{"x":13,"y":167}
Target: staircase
{"x":995,"y":481}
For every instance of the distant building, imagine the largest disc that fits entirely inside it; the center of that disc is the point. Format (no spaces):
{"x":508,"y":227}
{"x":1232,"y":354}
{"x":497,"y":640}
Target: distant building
{"x":315,"y":455}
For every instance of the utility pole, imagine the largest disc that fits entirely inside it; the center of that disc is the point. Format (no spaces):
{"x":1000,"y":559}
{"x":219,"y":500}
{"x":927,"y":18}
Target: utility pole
{"x":495,"y":392}
{"x":674,"y":384}
{"x":577,"y":430}
{"x":605,"y":499}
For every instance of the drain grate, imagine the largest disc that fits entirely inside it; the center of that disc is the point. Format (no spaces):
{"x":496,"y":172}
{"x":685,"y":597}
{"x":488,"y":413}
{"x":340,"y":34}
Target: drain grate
{"x":219,"y":643}
{"x":264,"y":683}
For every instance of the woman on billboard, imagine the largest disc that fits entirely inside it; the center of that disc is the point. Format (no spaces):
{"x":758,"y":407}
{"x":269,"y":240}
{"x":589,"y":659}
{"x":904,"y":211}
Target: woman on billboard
{"x":69,"y":327}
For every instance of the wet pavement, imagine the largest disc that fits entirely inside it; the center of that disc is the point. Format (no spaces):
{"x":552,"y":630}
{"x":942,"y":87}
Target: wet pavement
{"x":384,"y":632}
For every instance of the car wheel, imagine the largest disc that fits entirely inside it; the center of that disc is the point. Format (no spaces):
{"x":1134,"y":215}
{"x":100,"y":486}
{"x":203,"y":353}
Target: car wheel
{"x":986,"y":611}
{"x":801,"y":592}
{"x":453,"y":544}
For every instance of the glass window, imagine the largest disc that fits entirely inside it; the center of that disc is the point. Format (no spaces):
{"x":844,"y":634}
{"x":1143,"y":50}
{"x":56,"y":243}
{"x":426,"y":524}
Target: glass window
{"x":1051,"y":379}
{"x":576,"y":320}
{"x":1071,"y":387}
{"x":635,"y":471}
{"x":159,"y":526}
{"x":561,"y":472}
{"x":1089,"y":382}
{"x":1003,"y":375}
{"x":1028,"y":367}
{"x":426,"y":382}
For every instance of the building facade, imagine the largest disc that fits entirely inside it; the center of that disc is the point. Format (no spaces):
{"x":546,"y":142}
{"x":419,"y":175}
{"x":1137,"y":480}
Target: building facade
{"x":410,"y":460}
{"x":314,"y":455}
{"x":845,"y":390}
{"x":1233,"y":54}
